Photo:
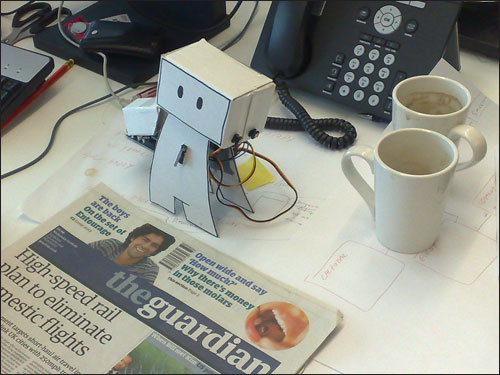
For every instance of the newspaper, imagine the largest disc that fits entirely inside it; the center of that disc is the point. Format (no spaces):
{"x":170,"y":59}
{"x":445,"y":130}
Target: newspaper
{"x":103,"y":287}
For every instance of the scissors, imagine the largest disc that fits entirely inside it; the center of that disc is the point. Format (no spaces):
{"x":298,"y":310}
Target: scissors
{"x":42,"y":16}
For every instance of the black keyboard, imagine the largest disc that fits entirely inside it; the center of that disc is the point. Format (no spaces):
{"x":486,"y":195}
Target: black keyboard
{"x":23,"y":72}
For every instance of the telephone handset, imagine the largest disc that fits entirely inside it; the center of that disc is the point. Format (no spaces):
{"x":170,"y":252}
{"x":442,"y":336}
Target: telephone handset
{"x":354,"y":52}
{"x":286,"y":46}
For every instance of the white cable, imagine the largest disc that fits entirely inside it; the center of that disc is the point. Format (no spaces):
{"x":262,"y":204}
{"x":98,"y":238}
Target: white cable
{"x":104,"y":58}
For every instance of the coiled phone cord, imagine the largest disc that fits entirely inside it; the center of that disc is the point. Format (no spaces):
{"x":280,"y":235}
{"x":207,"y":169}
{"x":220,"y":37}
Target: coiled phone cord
{"x":315,"y":127}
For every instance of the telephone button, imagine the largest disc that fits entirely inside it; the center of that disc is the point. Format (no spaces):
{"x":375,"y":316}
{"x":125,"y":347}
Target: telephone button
{"x":392,"y":44}
{"x":373,"y":54}
{"x":365,"y":37}
{"x":358,"y":95}
{"x":354,"y":64}
{"x":378,"y":86}
{"x":399,"y":77}
{"x":411,"y":26}
{"x":344,"y":90}
{"x":417,"y":4}
{"x":388,"y":105}
{"x":363,"y":13}
{"x":334,"y":72}
{"x":389,"y":59}
{"x":349,"y":77}
{"x":373,"y":100}
{"x":384,"y":73}
{"x":396,"y":23}
{"x":339,"y":58}
{"x":369,"y":68}
{"x":391,"y":9}
{"x":359,"y":50}
{"x":379,"y":41}
{"x":363,"y":82}
{"x":387,"y":19}
{"x":329,"y":86}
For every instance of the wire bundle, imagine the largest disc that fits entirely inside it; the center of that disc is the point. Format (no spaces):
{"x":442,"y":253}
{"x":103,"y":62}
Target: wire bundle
{"x":315,"y":127}
{"x":241,"y":149}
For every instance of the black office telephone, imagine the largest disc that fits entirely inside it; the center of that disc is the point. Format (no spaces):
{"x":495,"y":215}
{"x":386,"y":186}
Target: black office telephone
{"x":355,"y":52}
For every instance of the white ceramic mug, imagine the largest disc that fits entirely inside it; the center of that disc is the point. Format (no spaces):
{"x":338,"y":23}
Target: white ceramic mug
{"x":412,"y":169}
{"x":439,"y":104}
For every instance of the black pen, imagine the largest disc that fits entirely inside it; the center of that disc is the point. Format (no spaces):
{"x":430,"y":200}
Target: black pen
{"x":369,"y":116}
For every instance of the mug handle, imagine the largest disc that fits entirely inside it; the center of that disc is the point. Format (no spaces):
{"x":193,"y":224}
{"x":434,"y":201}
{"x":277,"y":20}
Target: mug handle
{"x":355,"y":178}
{"x":475,"y":140}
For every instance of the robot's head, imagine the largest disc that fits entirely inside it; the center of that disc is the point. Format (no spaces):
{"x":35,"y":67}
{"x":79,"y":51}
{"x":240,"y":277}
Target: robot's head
{"x":192,"y":101}
{"x":213,"y":93}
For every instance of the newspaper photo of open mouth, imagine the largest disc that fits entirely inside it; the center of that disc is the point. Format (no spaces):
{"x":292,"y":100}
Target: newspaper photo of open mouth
{"x":277,"y":325}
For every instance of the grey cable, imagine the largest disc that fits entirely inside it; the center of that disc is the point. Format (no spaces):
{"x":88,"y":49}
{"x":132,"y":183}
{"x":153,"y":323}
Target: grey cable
{"x":61,"y":119}
{"x":243,"y":31}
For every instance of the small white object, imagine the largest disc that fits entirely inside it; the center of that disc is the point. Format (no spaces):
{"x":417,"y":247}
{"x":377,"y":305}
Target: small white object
{"x":140,"y":116}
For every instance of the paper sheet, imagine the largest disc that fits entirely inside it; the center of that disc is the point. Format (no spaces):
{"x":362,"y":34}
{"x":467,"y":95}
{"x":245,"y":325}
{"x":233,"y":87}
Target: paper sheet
{"x":432,"y":312}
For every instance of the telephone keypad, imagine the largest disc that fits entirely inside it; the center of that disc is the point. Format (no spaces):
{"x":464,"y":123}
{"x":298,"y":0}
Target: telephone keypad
{"x":374,"y":55}
{"x":376,"y":60}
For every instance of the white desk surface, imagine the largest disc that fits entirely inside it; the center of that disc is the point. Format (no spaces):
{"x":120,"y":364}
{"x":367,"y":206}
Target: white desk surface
{"x":26,"y":137}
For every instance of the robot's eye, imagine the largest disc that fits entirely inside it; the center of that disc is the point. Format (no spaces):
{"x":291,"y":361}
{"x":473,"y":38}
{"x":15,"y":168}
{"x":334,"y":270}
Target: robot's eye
{"x":199,"y":103}
{"x":180,"y":91}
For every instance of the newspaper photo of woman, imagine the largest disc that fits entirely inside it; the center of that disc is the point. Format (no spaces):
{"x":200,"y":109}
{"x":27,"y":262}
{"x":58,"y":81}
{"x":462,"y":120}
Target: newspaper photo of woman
{"x":276,"y":325}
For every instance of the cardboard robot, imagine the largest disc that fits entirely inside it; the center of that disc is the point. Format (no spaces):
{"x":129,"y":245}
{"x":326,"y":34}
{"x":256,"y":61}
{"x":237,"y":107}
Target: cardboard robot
{"x":207,"y":100}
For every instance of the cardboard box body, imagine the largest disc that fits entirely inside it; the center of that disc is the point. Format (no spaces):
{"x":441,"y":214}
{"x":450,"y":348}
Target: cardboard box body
{"x":214,"y":94}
